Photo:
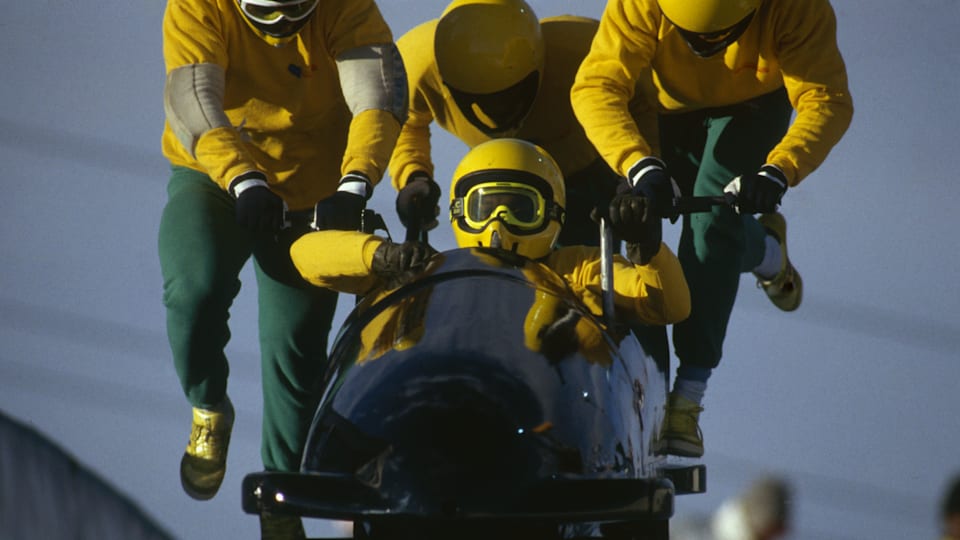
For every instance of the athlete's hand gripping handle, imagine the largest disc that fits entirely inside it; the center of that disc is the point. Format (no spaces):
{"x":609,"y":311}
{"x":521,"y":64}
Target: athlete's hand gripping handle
{"x":760,"y":192}
{"x":258,"y":209}
{"x":418,"y":202}
{"x":344,"y":209}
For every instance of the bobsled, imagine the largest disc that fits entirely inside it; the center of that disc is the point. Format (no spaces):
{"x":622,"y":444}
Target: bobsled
{"x":483,"y":400}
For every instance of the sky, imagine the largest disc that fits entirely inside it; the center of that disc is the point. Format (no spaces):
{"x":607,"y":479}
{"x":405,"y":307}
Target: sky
{"x":853,"y":397}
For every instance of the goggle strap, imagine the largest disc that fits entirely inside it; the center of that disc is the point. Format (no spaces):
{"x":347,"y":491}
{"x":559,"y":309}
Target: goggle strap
{"x":556,"y":212}
{"x":456,"y":208}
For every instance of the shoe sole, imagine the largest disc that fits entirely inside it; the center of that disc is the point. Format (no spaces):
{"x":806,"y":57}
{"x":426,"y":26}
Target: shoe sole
{"x":193,"y":490}
{"x":677,"y":447}
{"x":682,"y":449}
{"x":778,"y":224}
{"x":798,"y":286}
{"x":195,"y":494}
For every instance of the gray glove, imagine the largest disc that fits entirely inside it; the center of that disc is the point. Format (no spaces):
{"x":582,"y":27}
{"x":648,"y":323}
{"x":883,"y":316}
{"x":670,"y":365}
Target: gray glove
{"x":395,"y":262}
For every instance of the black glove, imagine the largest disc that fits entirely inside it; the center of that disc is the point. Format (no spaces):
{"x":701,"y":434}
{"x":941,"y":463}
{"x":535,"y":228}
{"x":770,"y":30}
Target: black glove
{"x":761,"y":192}
{"x":344,"y":209}
{"x":559,"y":339}
{"x":418,"y":202}
{"x":258,"y":209}
{"x":394,"y":261}
{"x":630,"y":220}
{"x":649,"y":177}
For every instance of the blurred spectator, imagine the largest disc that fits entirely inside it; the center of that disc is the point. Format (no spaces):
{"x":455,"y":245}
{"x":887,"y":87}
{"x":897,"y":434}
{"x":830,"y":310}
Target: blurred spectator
{"x":762,"y":512}
{"x":950,"y":510}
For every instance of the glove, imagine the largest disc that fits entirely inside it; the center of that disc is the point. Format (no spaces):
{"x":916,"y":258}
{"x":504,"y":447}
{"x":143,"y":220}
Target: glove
{"x":630,"y":220}
{"x":649,"y":178}
{"x":393,"y":261}
{"x":258,"y":209}
{"x":761,"y":192}
{"x":344,"y":209}
{"x":418,"y":202}
{"x":559,"y":339}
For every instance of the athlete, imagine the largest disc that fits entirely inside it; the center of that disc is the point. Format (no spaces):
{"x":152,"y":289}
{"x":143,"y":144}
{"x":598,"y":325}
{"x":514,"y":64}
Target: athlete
{"x":277,"y":110}
{"x":729,"y":75}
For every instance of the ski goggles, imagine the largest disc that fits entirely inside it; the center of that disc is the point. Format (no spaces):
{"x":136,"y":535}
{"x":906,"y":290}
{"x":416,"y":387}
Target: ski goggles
{"x":516,"y":205}
{"x":272,"y":11}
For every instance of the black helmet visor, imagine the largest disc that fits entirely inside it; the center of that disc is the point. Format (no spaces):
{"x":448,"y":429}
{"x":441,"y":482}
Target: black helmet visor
{"x":502,"y":111}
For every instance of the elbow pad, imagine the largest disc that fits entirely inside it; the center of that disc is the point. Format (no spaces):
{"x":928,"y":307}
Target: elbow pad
{"x":373,"y":77}
{"x":193,"y":102}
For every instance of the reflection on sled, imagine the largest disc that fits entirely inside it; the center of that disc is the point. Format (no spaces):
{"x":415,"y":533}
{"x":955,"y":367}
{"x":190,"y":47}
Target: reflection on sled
{"x":483,"y":400}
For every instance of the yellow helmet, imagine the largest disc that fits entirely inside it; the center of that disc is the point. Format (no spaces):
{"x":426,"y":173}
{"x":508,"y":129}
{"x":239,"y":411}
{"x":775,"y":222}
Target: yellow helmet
{"x":490,"y":55}
{"x":707,"y":16}
{"x":709,"y":26}
{"x":508,"y":194}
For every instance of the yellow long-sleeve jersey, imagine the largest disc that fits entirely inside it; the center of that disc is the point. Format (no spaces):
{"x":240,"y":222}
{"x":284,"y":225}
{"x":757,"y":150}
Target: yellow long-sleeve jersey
{"x":286,"y":111}
{"x":550,"y":123}
{"x":654,"y":293}
{"x":788,"y":43}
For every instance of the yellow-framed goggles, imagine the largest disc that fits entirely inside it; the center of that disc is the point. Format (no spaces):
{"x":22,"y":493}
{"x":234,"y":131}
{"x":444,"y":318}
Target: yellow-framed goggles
{"x":272,"y":11}
{"x":517,"y":205}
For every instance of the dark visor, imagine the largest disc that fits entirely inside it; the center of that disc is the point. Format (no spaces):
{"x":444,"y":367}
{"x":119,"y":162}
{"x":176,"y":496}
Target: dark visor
{"x":501,"y":111}
{"x":709,"y":44}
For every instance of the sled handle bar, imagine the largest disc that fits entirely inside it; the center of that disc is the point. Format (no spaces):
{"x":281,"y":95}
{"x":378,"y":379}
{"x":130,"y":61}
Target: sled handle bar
{"x":606,"y":270}
{"x":683,"y":205}
{"x":416,"y":234}
{"x":691,"y":205}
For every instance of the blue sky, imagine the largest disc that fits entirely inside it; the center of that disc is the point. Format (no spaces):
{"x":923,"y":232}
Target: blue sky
{"x":853,"y":397}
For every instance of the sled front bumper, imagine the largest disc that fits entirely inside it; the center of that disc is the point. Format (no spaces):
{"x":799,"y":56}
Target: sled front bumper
{"x":343,"y":497}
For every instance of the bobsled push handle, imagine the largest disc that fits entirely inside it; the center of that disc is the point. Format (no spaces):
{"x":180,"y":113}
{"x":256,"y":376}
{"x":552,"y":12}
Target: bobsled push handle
{"x":691,"y":205}
{"x":606,"y":270}
{"x":416,"y":234}
{"x":371,"y":221}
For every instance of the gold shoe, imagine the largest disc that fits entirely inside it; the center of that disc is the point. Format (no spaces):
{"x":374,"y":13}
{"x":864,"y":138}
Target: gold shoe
{"x":205,"y":460}
{"x":276,"y":527}
{"x":680,"y":434}
{"x":785,"y":289}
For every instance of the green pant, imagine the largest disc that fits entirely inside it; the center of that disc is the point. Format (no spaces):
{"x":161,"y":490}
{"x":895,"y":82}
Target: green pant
{"x":704,"y":150}
{"x":202,"y":251}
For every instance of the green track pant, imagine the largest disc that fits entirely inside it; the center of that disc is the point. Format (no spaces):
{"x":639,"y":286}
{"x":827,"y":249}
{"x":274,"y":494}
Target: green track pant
{"x":704,"y":150}
{"x":202,"y":251}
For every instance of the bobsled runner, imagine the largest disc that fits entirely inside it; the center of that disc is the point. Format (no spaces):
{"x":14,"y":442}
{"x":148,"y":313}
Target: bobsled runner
{"x":482,"y":400}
